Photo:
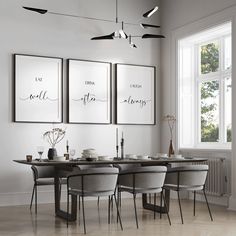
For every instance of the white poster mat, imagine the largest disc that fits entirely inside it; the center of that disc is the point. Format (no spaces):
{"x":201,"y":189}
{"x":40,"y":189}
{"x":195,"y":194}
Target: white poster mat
{"x":135,"y":87}
{"x":38,"y":91}
{"x":89,"y":92}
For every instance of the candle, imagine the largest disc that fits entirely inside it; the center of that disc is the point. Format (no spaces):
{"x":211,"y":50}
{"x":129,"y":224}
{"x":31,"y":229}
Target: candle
{"x":67,"y":143}
{"x":122,"y":135}
{"x":116,"y":136}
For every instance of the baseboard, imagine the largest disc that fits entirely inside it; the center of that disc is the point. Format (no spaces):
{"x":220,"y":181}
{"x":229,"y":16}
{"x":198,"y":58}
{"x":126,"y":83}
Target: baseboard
{"x":221,"y":201}
{"x":216,"y":200}
{"x":232,"y":204}
{"x":23,"y":198}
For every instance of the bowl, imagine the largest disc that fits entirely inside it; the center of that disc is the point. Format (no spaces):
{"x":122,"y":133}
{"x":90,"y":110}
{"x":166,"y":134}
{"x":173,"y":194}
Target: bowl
{"x":142,"y":157}
{"x":90,"y":158}
{"x":131,"y":156}
{"x":59,"y":158}
{"x":162,"y":155}
{"x":104,"y":158}
{"x":178,"y":156}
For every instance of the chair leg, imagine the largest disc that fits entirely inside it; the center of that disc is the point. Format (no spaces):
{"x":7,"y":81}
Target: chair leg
{"x":155,"y":196}
{"x":165,"y":205}
{"x":36,"y":199}
{"x":135,"y":209}
{"x":180,"y":208}
{"x":207,"y":204}
{"x":32,"y":197}
{"x":161,"y":204}
{"x":118,"y":213}
{"x":67,"y":218}
{"x":60,"y":191}
{"x":194,"y":202}
{"x":119,"y":202}
{"x":109,"y":205}
{"x":83,"y":214}
{"x":112,"y":203}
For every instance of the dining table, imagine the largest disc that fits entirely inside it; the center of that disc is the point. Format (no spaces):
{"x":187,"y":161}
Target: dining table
{"x":68,"y":165}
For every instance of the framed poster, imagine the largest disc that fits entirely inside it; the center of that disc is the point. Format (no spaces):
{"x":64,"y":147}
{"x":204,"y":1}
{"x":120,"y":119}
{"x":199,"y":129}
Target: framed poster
{"x":89,"y":92}
{"x":38,"y":89}
{"x":135,"y":94}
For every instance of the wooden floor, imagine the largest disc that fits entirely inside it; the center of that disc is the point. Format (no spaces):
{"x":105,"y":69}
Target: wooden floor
{"x":18,"y":221}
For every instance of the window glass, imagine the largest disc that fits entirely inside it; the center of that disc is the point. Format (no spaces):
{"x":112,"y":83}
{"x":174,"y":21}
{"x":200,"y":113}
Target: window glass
{"x":227,"y":54}
{"x":209,"y":58}
{"x":228,"y":109}
{"x":209,"y":111}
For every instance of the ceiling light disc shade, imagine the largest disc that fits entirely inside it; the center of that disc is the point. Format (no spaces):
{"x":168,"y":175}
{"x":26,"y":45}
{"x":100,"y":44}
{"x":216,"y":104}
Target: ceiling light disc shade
{"x":145,"y":26}
{"x":150,"y":12}
{"x":123,"y":34}
{"x":104,"y":37}
{"x":132,"y":45}
{"x":38,"y":10}
{"x":152,"y":36}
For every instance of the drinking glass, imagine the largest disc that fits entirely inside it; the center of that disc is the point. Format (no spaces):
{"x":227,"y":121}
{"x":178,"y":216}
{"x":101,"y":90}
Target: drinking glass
{"x":40,"y":150}
{"x":72,"y":153}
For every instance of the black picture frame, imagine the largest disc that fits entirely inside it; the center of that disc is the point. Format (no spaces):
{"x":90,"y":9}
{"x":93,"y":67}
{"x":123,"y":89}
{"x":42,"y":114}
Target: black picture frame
{"x":89,"y":90}
{"x":135,"y":94}
{"x":38,"y":89}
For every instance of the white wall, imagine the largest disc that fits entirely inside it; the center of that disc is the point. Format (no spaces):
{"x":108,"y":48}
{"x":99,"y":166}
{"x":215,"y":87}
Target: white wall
{"x":180,"y":18}
{"x":49,"y":35}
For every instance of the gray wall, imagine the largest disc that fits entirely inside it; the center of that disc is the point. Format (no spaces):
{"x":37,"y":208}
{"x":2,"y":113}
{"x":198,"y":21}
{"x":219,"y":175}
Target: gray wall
{"x":186,"y":17}
{"x":174,"y":15}
{"x":48,"y":35}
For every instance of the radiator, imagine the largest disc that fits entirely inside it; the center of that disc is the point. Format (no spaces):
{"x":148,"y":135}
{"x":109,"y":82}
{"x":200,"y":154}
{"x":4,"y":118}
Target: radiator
{"x":217,"y":178}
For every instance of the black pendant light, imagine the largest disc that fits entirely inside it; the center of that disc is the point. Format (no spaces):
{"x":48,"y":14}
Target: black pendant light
{"x":104,"y":37}
{"x":152,"y":36}
{"x":38,"y":10}
{"x":118,"y":33}
{"x":145,"y":26}
{"x":150,"y":12}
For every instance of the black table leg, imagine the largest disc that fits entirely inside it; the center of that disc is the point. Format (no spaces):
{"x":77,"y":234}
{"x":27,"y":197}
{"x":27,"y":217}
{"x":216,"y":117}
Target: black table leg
{"x":58,"y":211}
{"x":152,"y":207}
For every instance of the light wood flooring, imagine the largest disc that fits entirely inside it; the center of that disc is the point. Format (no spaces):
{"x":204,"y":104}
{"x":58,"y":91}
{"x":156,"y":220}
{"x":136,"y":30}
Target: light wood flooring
{"x":18,"y":221}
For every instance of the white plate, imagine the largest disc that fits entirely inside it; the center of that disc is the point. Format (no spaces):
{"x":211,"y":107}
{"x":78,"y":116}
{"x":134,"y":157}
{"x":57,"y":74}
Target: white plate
{"x":104,"y":158}
{"x":59,"y":160}
{"x":142,"y":157}
{"x":131,"y":156}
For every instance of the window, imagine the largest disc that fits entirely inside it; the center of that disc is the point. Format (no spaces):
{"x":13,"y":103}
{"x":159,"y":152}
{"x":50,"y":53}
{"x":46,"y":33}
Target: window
{"x":204,"y":89}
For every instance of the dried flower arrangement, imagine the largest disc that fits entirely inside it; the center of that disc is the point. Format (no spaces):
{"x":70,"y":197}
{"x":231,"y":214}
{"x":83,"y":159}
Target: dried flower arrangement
{"x":171,"y":122}
{"x":54,"y":136}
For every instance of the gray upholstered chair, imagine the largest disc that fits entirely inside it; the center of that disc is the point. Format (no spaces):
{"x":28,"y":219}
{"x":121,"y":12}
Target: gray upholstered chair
{"x":187,"y":178}
{"x":95,"y":182}
{"x":142,"y":180}
{"x":85,"y":167}
{"x":42,"y":175}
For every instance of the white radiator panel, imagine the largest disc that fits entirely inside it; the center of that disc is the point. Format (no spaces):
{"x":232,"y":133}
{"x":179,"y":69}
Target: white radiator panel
{"x":217,"y":179}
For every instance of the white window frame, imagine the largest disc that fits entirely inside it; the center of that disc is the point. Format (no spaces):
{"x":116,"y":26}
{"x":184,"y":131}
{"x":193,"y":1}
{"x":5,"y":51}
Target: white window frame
{"x":220,"y":76}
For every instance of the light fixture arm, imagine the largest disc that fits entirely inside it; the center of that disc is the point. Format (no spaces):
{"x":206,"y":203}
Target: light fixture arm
{"x":116,"y":11}
{"x":129,"y":39}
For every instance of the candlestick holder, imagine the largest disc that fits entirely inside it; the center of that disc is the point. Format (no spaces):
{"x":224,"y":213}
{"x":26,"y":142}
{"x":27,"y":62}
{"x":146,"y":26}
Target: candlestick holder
{"x":117,"y":151}
{"x":122,"y":148}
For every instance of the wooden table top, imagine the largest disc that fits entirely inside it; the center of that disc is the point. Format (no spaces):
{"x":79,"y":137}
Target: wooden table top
{"x":149,"y":161}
